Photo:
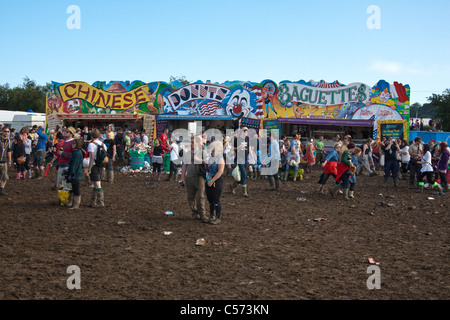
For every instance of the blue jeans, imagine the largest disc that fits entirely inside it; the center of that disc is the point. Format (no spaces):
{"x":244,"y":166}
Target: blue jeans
{"x":391,"y":166}
{"x":243,"y":168}
{"x":289,"y":167}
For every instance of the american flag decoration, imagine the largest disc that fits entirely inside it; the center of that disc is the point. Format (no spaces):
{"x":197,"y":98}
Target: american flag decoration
{"x":209,"y":108}
{"x":203,"y":91}
{"x":194,"y":91}
{"x":259,"y":103}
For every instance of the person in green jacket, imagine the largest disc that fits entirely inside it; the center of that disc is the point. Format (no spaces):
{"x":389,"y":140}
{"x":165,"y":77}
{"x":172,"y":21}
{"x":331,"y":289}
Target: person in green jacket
{"x":75,"y":173}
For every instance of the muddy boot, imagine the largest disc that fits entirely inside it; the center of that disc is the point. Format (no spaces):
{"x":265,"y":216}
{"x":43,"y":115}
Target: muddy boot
{"x":285,"y":175}
{"x":39,"y":174}
{"x":36,"y":173}
{"x":76,"y":202}
{"x":70,"y":203}
{"x":420,"y":187}
{"x":18,"y":175}
{"x":158,"y":176}
{"x":438,"y":186}
{"x":29,"y":174}
{"x":321,"y":188}
{"x":88,"y":181}
{"x":244,"y":190}
{"x":111,"y":176}
{"x":295,"y":175}
{"x":234,"y":186}
{"x":351,"y":194}
{"x":345,"y":194}
{"x":93,"y":203}
{"x":277,"y":184}
{"x":100,"y":199}
{"x":271,"y":183}
{"x":218,"y":209}
{"x":334,"y":190}
{"x":107,"y":175}
{"x":386,"y":181}
{"x":212,"y":208}
{"x":396,"y":182}
{"x":169,"y":177}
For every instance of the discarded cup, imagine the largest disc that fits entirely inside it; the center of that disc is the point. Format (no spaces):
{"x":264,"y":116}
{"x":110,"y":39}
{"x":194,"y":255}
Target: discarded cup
{"x":168,"y":213}
{"x":167,"y":233}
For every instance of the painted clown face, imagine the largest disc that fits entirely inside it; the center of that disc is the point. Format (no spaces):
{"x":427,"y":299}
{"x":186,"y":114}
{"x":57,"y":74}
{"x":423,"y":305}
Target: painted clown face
{"x":239,"y":104}
{"x":385,"y":96}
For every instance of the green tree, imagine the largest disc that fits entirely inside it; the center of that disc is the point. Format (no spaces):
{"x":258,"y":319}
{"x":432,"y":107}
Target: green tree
{"x":29,"y":95}
{"x":441,"y":102}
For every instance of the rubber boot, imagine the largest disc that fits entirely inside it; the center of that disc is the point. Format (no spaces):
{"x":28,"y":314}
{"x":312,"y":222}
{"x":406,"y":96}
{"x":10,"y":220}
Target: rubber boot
{"x":169,"y":177}
{"x":321,"y":188}
{"x":107,"y":175}
{"x":218,"y":209}
{"x":93,"y":203}
{"x":158,"y":174}
{"x":345,"y":194}
{"x":212,"y":208}
{"x":18,"y":175}
{"x":437,"y":186}
{"x":271,"y":183}
{"x":39,"y":174}
{"x":24,"y":175}
{"x":29,"y":174}
{"x":234,"y":186}
{"x":386,"y":181}
{"x":351,"y":194}
{"x":334,"y":190}
{"x":277,"y":184}
{"x":244,"y":190}
{"x":111,"y":176}
{"x":251,"y":175}
{"x":76,"y":202}
{"x":396,"y":182}
{"x":420,"y":187}
{"x":70,"y":204}
{"x":36,"y":173}
{"x":100,"y":200}
{"x":295,"y":175}
{"x":285,"y":176}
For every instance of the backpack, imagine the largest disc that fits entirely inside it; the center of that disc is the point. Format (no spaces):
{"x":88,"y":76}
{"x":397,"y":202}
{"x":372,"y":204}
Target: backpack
{"x":102,"y":157}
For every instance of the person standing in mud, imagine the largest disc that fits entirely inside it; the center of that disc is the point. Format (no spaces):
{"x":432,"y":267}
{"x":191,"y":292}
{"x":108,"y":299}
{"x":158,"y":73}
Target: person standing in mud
{"x":391,"y":165}
{"x":5,"y":159}
{"x":345,"y":169}
{"x":193,"y":176}
{"x":214,"y":181}
{"x":96,"y":170}
{"x":241,"y":149}
{"x":330,"y":165}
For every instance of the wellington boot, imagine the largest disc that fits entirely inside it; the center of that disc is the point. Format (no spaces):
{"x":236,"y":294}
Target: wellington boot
{"x":295,"y":175}
{"x":420,"y":190}
{"x":351,"y":194}
{"x":396,"y":182}
{"x":271,"y":183}
{"x":169,"y":176}
{"x":18,"y":175}
{"x":234,"y":186}
{"x":285,"y":175}
{"x":100,"y":199}
{"x":244,"y":190}
{"x":76,"y":202}
{"x":111,"y":176}
{"x":93,"y":203}
{"x":277,"y":184}
{"x":322,"y":186}
{"x":346,"y":194}
{"x":70,"y":204}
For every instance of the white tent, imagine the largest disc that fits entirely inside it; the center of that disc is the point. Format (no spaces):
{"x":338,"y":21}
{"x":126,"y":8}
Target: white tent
{"x":20,"y":119}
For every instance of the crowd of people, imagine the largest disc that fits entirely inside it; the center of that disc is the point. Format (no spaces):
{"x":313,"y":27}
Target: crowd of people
{"x":90,"y":154}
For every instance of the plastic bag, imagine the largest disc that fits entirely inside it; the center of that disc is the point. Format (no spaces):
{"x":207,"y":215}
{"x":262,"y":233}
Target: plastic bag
{"x":64,"y":196}
{"x":236,"y":173}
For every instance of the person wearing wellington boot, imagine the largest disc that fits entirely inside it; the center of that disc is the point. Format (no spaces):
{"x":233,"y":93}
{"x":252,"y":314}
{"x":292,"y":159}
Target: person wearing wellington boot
{"x":345,"y":169}
{"x":75,"y":172}
{"x":96,"y":170}
{"x":214,"y":181}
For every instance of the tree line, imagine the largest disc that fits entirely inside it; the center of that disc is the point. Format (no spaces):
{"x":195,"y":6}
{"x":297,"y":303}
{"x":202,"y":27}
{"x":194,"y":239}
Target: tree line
{"x":26,"y":96}
{"x":30,"y":95}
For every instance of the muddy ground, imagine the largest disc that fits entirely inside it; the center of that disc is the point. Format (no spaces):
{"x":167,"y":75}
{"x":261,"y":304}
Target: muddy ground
{"x":268,"y":247}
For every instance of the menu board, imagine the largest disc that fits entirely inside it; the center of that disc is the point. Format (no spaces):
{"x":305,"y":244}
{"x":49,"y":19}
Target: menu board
{"x":392,"y":129}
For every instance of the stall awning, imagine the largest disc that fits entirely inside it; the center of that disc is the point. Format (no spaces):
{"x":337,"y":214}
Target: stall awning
{"x":328,"y":121}
{"x":193,"y":117}
{"x":80,"y":116}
